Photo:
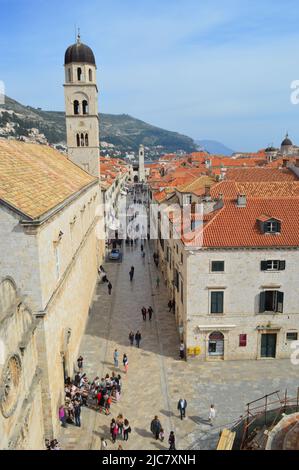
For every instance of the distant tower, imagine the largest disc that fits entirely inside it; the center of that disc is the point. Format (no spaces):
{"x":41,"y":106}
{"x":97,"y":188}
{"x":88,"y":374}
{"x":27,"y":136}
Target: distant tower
{"x":141,"y":173}
{"x":81,"y":107}
{"x":286,"y":146}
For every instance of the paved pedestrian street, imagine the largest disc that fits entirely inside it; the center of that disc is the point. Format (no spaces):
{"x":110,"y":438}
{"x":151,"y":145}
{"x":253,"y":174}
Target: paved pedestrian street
{"x":156,"y":377}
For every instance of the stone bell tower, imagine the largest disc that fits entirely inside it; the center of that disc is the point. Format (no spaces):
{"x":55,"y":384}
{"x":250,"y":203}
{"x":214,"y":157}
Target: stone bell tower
{"x":81,"y":107}
{"x":141,"y":172}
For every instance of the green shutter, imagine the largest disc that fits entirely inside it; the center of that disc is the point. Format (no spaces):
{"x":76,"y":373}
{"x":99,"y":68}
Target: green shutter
{"x":262,"y":301}
{"x":264,"y":265}
{"x":279,"y":304}
{"x":282,"y":265}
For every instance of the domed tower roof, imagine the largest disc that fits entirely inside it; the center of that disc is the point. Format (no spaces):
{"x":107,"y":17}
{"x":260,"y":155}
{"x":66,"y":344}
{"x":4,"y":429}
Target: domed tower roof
{"x":286,"y":141}
{"x":79,"y":53}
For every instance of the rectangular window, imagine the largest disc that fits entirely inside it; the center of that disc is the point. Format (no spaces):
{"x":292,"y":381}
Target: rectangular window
{"x":217,"y":266}
{"x":273,"y":265}
{"x":182,"y":292}
{"x":292,"y":336}
{"x":217,"y":302}
{"x":272,"y":226}
{"x":242,"y":341}
{"x":271,"y":301}
{"x":182,"y":258}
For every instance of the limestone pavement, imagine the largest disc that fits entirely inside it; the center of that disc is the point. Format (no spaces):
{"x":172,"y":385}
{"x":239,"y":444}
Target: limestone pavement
{"x":156,"y":377}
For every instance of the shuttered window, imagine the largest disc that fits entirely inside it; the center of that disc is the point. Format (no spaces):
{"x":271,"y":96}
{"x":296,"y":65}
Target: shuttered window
{"x":271,"y":301}
{"x":273,"y":265}
{"x":217,"y":302}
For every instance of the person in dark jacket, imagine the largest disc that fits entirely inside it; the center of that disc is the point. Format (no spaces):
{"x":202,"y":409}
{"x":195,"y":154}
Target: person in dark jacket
{"x":138,"y":338}
{"x":156,"y":427}
{"x":131,"y":338}
{"x":182,"y":405}
{"x":150,"y":313}
{"x":109,"y":288}
{"x":171,"y":441}
{"x":143,"y":311}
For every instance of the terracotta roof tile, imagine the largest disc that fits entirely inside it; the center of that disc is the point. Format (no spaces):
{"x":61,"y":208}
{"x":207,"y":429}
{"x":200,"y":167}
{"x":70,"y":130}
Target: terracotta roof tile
{"x":36,"y":178}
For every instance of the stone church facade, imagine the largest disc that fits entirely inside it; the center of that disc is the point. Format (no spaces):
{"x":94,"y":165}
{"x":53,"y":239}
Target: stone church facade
{"x":51,"y":247}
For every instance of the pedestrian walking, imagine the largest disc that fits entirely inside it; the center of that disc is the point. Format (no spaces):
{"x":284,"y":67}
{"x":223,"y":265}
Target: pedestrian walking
{"x":170,"y":305}
{"x":131,"y":337}
{"x":212,"y":415}
{"x":156,"y":427}
{"x":115,"y":358}
{"x":127,"y":429}
{"x":109,"y":287}
{"x":182,"y":405}
{"x":120,"y":423}
{"x":138,"y":338}
{"x":77,"y":413}
{"x":150,"y":313}
{"x":182,"y":350}
{"x":131,"y":273}
{"x":161,"y":435}
{"x":62,"y":416}
{"x":171,"y":441}
{"x":113,"y":430}
{"x":103,"y":444}
{"x":125,"y":363}
{"x":80,"y":363}
{"x":143,"y":311}
{"x":157,"y":282}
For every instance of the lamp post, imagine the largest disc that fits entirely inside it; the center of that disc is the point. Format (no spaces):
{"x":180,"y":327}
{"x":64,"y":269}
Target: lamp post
{"x":181,"y":331}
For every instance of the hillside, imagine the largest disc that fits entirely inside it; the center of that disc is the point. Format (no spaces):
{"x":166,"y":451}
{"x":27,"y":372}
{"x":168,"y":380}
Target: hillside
{"x":124,"y":132}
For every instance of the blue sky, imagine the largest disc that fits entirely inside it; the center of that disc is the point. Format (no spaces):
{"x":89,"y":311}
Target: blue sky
{"x":210,"y":69}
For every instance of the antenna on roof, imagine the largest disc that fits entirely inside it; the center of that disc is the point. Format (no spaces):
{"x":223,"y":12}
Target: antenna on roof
{"x":78,"y":36}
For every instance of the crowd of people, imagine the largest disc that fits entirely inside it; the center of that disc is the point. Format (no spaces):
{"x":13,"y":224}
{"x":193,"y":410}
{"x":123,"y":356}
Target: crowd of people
{"x":98,"y":394}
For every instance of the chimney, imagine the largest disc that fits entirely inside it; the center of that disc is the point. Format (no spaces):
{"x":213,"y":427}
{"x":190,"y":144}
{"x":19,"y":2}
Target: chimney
{"x":207,"y":193}
{"x":284,"y":162}
{"x":220,"y":197}
{"x":241,"y":201}
{"x":297,"y":162}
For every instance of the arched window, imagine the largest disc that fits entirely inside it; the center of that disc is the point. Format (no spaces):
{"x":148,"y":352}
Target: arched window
{"x":79,"y":74}
{"x":82,"y":140}
{"x":76,"y":107}
{"x":85,"y":106}
{"x":90,"y":75}
{"x":69,"y":75}
{"x":86,"y":140}
{"x":78,"y":140}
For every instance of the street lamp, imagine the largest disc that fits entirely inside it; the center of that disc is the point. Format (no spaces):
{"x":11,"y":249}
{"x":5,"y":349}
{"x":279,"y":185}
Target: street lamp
{"x":181,"y":331}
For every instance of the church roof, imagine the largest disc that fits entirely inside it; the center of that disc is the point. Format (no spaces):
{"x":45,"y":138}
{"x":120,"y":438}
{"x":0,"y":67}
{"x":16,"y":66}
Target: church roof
{"x":35,"y":179}
{"x":80,"y":53}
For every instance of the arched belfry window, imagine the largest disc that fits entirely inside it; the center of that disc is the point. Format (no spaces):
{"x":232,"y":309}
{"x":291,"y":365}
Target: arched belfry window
{"x":90,"y":75}
{"x":69,"y":75}
{"x":86,"y":140}
{"x":76,"y":107}
{"x":85,"y":106}
{"x":78,"y":140}
{"x":82,"y":140}
{"x":79,"y":74}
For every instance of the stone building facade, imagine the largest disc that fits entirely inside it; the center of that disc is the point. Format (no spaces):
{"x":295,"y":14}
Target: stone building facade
{"x":49,"y":257}
{"x":234,"y":282}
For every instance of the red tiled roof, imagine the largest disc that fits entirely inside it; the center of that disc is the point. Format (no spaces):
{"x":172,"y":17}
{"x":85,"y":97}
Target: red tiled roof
{"x":260,"y":174}
{"x":235,"y":226}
